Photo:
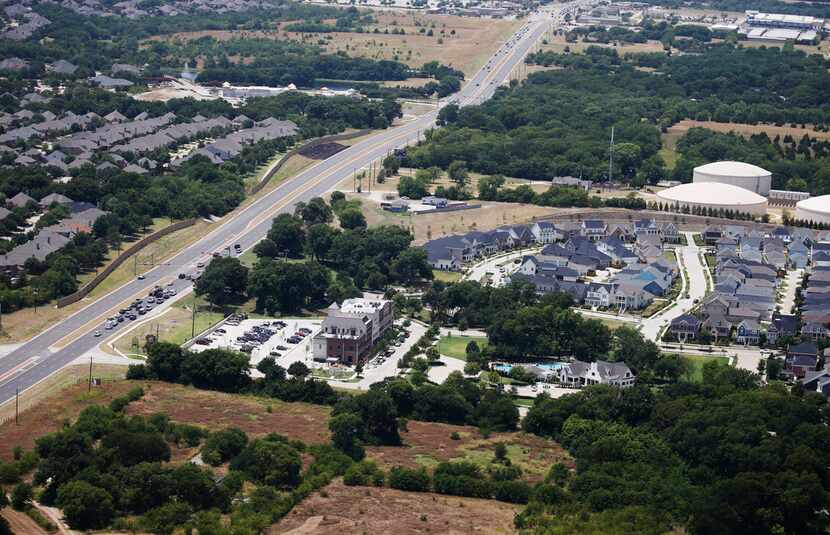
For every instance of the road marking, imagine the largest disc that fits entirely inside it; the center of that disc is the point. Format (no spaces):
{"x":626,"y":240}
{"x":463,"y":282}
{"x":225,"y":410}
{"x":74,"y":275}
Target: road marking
{"x":23,"y":366}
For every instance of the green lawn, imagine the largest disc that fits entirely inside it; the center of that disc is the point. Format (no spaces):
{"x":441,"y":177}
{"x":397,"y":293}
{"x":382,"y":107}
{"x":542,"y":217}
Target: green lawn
{"x":696,"y":363}
{"x":446,"y":276}
{"x":456,"y":346}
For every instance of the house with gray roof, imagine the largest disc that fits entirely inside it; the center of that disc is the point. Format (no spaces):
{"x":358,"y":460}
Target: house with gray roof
{"x":578,"y":374}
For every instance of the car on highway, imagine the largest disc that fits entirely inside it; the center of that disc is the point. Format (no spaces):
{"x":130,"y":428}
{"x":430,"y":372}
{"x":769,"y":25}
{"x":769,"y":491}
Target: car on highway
{"x":96,"y":334}
{"x":141,"y":277}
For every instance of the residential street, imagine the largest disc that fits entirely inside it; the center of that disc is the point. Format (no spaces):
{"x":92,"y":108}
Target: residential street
{"x":695,"y":270}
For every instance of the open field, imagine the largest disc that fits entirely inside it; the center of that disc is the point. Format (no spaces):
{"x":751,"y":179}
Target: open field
{"x":428,"y":443}
{"x":696,"y":362}
{"x":446,"y":276}
{"x":456,"y":346}
{"x":675,"y":132}
{"x":473,"y":41}
{"x":558,"y":44}
{"x":342,"y":510}
{"x":425,"y":443}
{"x":61,"y":397}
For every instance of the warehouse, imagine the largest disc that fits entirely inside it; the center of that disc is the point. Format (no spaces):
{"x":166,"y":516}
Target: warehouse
{"x":714,"y":195}
{"x":815,"y":209}
{"x":744,"y":175}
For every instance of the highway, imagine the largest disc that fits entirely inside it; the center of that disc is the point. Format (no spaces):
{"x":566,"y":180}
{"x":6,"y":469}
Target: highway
{"x":68,"y":339}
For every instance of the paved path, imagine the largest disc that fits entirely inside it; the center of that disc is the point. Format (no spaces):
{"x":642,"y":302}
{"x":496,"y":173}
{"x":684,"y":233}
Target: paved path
{"x":695,"y":271}
{"x":40,"y":357}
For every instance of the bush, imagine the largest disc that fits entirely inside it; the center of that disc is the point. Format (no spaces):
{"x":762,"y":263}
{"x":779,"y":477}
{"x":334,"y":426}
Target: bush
{"x":224,"y":445}
{"x":9,"y":473}
{"x":455,"y":436}
{"x":512,"y":491}
{"x":462,"y":486}
{"x":363,"y":473}
{"x":410,"y":480}
{"x":505,"y":473}
{"x":137,"y":372}
{"x":21,"y":496}
{"x":135,"y":394}
{"x":119,"y":404}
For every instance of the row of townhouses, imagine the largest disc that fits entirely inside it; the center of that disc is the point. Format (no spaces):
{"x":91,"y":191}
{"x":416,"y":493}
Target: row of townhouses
{"x":452,"y":252}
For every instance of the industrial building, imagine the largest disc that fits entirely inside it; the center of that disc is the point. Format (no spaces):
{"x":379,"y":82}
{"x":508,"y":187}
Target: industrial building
{"x":714,"y":195}
{"x":815,"y":209}
{"x":776,"y":27}
{"x":744,"y":175}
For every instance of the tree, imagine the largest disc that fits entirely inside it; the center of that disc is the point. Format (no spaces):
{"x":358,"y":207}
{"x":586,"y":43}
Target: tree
{"x":299,"y":370}
{"x":352,"y":218}
{"x":391,"y":165}
{"x":411,"y":265}
{"x":223,"y":445}
{"x":319,"y":241}
{"x":347,"y":430}
{"x":287,"y":287}
{"x":164,"y":361}
{"x":85,"y":506}
{"x":21,"y":496}
{"x":270,"y":460}
{"x":314,"y":212}
{"x":217,"y":369}
{"x":488,"y":187}
{"x":412,"y":188}
{"x":287,"y":235}
{"x":457,"y":171}
{"x":224,"y":281}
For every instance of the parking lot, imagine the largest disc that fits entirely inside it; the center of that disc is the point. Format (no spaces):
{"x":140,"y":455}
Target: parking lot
{"x":287,"y":340}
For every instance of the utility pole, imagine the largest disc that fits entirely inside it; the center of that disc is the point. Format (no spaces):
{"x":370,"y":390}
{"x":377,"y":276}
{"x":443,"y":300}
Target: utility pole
{"x":16,"y":405}
{"x":193,"y":318}
{"x":611,"y":155}
{"x":89,"y":388}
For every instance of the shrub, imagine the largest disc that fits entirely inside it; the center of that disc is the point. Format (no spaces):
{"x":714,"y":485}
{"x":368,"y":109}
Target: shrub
{"x":137,"y":372}
{"x":224,"y":445}
{"x":135,"y":393}
{"x":9,"y":473}
{"x":21,"y":496}
{"x":455,"y":436}
{"x":505,"y":473}
{"x":407,"y":479}
{"x":363,"y":473}
{"x":512,"y":491}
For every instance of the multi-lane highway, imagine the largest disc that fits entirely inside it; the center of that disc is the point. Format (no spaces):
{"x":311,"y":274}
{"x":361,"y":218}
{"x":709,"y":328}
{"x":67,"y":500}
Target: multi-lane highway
{"x":64,"y":342}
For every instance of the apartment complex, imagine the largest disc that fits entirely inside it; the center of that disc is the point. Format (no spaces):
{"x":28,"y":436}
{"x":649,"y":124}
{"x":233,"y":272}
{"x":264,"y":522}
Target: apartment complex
{"x":351,"y":329}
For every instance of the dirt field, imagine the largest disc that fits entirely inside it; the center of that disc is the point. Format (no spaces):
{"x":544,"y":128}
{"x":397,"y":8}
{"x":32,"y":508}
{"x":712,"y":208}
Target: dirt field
{"x":473,"y":42}
{"x":21,"y":523}
{"x":428,"y":443}
{"x":65,"y":398}
{"x":342,"y":510}
{"x":558,"y":43}
{"x":216,"y":410}
{"x":675,"y":132}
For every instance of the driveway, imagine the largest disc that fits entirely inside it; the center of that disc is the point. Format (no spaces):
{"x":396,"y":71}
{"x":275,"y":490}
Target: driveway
{"x":694,"y":282}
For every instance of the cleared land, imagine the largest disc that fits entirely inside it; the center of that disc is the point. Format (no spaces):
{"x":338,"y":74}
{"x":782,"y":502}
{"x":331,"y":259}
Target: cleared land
{"x":675,"y":132}
{"x":456,"y":346}
{"x":465,"y":43}
{"x":342,"y":510}
{"x":425,"y":443}
{"x":62,"y":397}
{"x":696,"y":362}
{"x":558,"y":43}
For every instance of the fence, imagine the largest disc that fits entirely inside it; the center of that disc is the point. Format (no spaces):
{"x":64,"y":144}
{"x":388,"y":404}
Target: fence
{"x":133,"y":249}
{"x":293,"y":152}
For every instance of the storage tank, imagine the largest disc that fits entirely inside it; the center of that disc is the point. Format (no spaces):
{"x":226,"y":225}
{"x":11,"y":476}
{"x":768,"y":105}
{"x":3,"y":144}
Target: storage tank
{"x":815,"y":209}
{"x":743,"y":175}
{"x":714,"y":195}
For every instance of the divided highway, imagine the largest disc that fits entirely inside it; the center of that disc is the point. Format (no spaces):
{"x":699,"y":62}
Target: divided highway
{"x":40,"y":357}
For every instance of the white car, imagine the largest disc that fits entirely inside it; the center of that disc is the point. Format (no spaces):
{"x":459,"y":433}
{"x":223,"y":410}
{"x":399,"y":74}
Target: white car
{"x":96,"y":334}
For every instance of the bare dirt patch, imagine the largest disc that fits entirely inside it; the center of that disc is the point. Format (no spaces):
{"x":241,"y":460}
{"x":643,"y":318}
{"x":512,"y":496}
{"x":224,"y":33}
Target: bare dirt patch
{"x":64,"y":402}
{"x":428,"y":443}
{"x":358,"y":510}
{"x":21,"y":523}
{"x":747,"y":129}
{"x":217,"y":410}
{"x":557,"y":43}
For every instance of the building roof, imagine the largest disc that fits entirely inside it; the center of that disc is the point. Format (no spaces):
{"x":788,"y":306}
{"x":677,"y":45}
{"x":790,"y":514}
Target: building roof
{"x":733,"y":169}
{"x":819,"y":204}
{"x":712,"y":194}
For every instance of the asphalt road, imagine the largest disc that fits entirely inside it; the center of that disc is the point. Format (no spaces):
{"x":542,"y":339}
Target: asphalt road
{"x":40,"y":357}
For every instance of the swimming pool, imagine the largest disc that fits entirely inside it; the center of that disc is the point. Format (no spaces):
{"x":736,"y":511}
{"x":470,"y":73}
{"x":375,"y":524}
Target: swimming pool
{"x":552,"y":366}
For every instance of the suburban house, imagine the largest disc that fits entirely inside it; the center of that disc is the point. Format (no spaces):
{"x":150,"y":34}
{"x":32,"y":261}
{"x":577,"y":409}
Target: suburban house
{"x":685,"y":327}
{"x":578,"y":374}
{"x":780,"y":326}
{"x":351,"y":329}
{"x":748,"y":332}
{"x":594,"y":229}
{"x":801,"y":358}
{"x":545,"y":232}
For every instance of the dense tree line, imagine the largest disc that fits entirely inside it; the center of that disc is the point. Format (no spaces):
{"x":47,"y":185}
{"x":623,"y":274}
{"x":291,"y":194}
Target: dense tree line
{"x":796,"y":164}
{"x":722,"y":456}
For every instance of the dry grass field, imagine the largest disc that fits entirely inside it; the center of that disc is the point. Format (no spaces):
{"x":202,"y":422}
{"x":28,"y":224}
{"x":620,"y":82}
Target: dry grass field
{"x":341,"y":510}
{"x":473,"y":40}
{"x":675,"y":132}
{"x":558,"y":44}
